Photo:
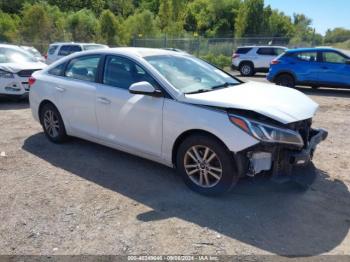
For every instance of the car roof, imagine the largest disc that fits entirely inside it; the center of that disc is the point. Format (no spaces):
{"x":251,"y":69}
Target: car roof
{"x":74,"y":43}
{"x":262,"y":46}
{"x":312,"y":49}
{"x":137,"y":51}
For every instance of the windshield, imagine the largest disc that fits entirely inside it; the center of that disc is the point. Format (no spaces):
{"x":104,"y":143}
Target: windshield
{"x":12,"y":55}
{"x":93,"y":47}
{"x":189,"y":74}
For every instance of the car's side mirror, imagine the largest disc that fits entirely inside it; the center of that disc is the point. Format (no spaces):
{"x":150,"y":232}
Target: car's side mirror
{"x":144,"y":88}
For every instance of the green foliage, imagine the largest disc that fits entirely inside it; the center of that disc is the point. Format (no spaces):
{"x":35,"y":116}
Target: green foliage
{"x":250,"y":18}
{"x":337,"y":35}
{"x":118,"y":22}
{"x":110,"y":27}
{"x":83,"y":26}
{"x":8,"y":27}
{"x":220,"y":61}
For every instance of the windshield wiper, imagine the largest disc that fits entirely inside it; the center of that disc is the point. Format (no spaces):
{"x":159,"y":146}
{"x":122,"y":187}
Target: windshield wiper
{"x":199,"y":91}
{"x":223,"y":85}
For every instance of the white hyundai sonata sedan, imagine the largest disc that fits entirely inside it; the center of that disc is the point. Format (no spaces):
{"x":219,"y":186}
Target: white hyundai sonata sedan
{"x":180,"y":111}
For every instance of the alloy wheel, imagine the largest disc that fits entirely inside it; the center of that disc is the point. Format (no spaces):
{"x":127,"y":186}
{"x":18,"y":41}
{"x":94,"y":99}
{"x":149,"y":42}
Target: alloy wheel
{"x":51,"y":123}
{"x":203,"y":166}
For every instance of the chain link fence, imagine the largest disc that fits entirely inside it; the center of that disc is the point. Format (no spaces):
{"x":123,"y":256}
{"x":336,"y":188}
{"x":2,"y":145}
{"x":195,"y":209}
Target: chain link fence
{"x":203,"y":46}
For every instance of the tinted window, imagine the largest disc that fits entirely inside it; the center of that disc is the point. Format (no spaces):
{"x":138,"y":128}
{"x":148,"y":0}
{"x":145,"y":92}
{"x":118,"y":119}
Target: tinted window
{"x":333,"y":57}
{"x":83,"y":68}
{"x":243,"y":50}
{"x":69,"y":49}
{"x":64,"y":50}
{"x":266,"y":51}
{"x":307,"y":56}
{"x":121,"y":72}
{"x":52,"y":49}
{"x":58,"y":70}
{"x":75,"y":48}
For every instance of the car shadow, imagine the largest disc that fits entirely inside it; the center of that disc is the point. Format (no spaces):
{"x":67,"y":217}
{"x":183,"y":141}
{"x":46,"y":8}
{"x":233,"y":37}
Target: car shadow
{"x":282,"y":219}
{"x":13,"y":104}
{"x":335,"y":92}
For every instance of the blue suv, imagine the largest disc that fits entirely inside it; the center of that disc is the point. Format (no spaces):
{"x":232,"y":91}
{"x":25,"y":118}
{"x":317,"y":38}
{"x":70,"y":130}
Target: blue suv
{"x":313,"y":67}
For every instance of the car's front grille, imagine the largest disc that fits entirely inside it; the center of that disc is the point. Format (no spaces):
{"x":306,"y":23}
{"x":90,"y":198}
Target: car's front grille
{"x":304,"y":128}
{"x":26,"y":73}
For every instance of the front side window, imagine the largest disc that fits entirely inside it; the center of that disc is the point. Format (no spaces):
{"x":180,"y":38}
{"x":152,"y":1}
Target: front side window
{"x":333,"y":57}
{"x":13,"y":55}
{"x":307,"y":56}
{"x":83,"y":68}
{"x":122,"y":73}
{"x":189,"y":74}
{"x":58,"y":70}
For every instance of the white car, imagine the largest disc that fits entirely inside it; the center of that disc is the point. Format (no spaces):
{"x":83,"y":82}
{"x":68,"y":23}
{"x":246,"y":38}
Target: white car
{"x":249,"y":60}
{"x":33,"y":51}
{"x":58,"y":50}
{"x":178,"y":110}
{"x":16,"y":66}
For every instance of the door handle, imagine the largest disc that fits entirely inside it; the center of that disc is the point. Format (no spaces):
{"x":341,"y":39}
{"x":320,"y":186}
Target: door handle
{"x":103,"y":100}
{"x":60,"y":89}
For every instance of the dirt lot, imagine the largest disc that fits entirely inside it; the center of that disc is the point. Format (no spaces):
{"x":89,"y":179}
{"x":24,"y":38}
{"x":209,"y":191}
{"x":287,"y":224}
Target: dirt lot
{"x":82,"y":198}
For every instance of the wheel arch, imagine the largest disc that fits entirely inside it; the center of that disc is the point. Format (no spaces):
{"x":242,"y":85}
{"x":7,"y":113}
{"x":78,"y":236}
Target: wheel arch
{"x":187,"y":134}
{"x":41,"y":106}
{"x":246,"y":62}
{"x":285,"y":73}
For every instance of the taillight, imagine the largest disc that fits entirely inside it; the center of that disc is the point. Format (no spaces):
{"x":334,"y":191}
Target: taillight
{"x":45,"y":56}
{"x":235,"y":56}
{"x":275,"y":62}
{"x":31,"y":81}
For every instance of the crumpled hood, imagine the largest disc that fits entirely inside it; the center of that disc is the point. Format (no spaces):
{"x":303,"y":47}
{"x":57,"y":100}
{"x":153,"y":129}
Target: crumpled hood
{"x":16,"y":67}
{"x":282,"y":104}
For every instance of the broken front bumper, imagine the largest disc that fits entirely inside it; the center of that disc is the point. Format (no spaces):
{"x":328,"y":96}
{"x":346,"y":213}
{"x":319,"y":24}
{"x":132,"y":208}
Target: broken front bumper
{"x":281,"y":161}
{"x":287,"y":161}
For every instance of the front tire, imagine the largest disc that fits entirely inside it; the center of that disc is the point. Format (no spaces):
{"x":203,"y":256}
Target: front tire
{"x":52,"y":124}
{"x":206,"y":165}
{"x":285,"y":80}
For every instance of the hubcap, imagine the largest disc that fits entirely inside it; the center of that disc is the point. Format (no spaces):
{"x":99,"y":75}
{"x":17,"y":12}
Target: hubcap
{"x":51,"y":123}
{"x":203,"y":166}
{"x":246,"y":70}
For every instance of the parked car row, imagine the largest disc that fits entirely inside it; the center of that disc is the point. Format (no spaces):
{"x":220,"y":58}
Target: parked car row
{"x":17,"y":63}
{"x":313,"y":67}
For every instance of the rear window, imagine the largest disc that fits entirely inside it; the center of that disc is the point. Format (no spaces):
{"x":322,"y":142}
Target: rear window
{"x":52,"y":49}
{"x":243,"y":50}
{"x":58,"y":70}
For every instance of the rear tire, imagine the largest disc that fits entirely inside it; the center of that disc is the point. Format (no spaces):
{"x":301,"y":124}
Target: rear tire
{"x":285,"y":80}
{"x":206,"y":165}
{"x":52,"y":124}
{"x":246,"y":69}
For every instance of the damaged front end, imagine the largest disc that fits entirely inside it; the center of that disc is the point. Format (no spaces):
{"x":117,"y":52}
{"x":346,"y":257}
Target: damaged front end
{"x":282,"y":149}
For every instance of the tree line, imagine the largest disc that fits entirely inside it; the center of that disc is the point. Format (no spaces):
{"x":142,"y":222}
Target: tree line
{"x":117,"y":22}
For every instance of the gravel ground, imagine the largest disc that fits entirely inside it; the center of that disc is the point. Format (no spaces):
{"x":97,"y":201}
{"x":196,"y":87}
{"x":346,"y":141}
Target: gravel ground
{"x":82,"y":198}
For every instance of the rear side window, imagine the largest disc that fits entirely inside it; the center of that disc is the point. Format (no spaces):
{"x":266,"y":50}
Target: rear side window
{"x":306,"y":56}
{"x":58,"y":70}
{"x":243,"y":50}
{"x":64,"y":51}
{"x":83,"y":68}
{"x":69,"y":49}
{"x":267,"y":51}
{"x":52,"y":49}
